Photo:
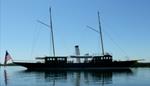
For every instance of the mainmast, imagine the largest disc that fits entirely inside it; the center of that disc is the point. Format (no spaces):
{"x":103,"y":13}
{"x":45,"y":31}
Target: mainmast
{"x":101,"y":36}
{"x":52,"y":35}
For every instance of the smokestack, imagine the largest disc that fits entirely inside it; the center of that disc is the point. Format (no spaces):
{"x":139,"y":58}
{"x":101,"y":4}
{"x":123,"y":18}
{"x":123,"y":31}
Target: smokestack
{"x":77,"y":51}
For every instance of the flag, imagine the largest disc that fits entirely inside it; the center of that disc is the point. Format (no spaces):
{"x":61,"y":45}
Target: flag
{"x":7,"y":58}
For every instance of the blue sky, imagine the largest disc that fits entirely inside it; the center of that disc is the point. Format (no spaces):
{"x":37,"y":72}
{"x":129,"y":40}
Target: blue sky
{"x":127,"y":22}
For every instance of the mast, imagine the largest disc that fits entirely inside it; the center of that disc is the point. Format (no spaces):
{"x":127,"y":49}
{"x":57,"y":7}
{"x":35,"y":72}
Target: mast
{"x":101,"y":36}
{"x":52,"y":36}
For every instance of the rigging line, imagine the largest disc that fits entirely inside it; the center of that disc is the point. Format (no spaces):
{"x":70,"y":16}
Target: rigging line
{"x":115,"y":43}
{"x":35,"y":39}
{"x":48,"y":26}
{"x":43,"y":23}
{"x":109,"y":38}
{"x":93,"y":30}
{"x":51,"y":30}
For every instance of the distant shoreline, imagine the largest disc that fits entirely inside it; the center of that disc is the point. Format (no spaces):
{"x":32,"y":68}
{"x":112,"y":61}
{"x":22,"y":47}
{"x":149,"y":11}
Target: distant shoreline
{"x":8,"y":64}
{"x":139,"y":64}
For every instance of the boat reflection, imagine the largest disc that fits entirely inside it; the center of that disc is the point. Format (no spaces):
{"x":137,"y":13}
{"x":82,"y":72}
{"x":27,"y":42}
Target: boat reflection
{"x":100,"y":77}
{"x":55,"y":75}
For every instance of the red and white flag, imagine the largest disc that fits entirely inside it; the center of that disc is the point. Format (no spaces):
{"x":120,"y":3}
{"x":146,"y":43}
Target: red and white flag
{"x":7,"y":58}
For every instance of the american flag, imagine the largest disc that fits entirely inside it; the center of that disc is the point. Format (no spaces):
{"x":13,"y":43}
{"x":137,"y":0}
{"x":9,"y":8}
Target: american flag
{"x":7,"y":58}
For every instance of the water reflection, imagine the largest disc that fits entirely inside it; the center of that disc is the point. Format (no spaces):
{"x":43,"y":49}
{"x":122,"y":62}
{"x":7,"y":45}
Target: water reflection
{"x":18,"y":76}
{"x":5,"y":77}
{"x":77,"y":78}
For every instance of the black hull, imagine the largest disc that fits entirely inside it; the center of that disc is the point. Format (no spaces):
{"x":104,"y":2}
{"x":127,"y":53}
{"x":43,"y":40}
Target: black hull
{"x":77,"y":66}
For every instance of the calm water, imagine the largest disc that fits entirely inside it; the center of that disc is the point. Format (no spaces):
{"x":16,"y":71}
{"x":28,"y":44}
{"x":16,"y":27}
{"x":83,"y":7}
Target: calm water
{"x":19,"y":76}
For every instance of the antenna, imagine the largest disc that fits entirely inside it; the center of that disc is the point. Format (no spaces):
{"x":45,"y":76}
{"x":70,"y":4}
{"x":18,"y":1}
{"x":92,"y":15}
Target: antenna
{"x":100,"y":31}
